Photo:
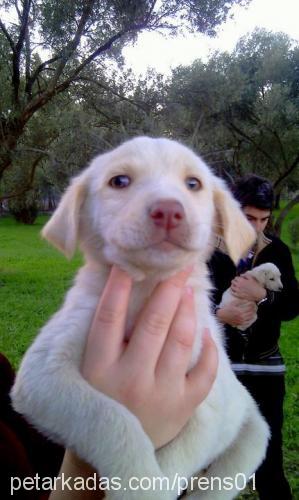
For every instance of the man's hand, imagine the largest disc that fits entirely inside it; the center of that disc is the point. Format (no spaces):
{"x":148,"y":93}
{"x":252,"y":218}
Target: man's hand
{"x":236,"y":314}
{"x":148,"y":374}
{"x":247,"y":288}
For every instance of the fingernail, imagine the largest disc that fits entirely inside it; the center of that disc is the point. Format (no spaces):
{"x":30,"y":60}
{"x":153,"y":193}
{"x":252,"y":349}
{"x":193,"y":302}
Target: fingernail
{"x":189,"y":269}
{"x":206,"y":333}
{"x":188,"y":290}
{"x":119,"y":274}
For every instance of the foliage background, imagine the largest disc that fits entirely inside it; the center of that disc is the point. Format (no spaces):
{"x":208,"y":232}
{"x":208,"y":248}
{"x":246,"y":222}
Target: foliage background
{"x":66,"y":95}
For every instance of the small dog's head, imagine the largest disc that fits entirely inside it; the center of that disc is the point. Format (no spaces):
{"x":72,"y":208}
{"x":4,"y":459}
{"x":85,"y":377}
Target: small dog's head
{"x":150,"y":204}
{"x":268,"y":275}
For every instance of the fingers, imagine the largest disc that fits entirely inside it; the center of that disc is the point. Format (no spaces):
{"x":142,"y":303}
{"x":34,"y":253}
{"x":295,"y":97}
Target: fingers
{"x":177,"y":350}
{"x":234,"y":287}
{"x":107,"y":331}
{"x":234,"y":304}
{"x":243,"y":313}
{"x":244,"y":320}
{"x":234,"y":281}
{"x":247,"y":307}
{"x":242,"y":278}
{"x":239,"y":282}
{"x":154,"y":322}
{"x":246,"y":314}
{"x":201,"y":378}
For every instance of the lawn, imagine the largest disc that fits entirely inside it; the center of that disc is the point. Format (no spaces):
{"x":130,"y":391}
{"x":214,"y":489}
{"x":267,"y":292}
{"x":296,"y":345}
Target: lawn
{"x":33,"y":281}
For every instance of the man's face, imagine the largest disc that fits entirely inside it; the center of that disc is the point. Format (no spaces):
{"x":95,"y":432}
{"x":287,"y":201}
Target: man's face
{"x":257,"y":217}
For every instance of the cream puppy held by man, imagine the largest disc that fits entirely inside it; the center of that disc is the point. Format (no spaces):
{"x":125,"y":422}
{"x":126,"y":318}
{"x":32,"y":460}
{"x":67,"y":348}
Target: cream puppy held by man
{"x":267,"y":275}
{"x":152,"y":207}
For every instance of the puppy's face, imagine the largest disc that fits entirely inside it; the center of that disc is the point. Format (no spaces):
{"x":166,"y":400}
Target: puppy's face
{"x":272,"y":278}
{"x":149,"y":204}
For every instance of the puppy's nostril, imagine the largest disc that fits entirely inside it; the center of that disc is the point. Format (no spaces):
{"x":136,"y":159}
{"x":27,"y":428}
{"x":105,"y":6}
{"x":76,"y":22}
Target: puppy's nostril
{"x":158,"y":215}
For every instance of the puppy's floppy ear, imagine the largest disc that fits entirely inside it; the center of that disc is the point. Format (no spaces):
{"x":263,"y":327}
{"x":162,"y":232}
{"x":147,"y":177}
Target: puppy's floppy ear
{"x":62,"y":228}
{"x":259,"y":274}
{"x":231,"y":223}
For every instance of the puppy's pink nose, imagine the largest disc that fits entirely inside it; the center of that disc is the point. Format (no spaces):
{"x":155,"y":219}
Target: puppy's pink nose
{"x":167,"y":213}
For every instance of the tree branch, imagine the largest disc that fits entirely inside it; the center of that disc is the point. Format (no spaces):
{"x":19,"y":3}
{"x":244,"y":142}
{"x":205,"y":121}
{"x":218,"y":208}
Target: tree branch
{"x":8,"y":37}
{"x":27,"y":56}
{"x":287,"y":172}
{"x":109,"y":89}
{"x":197,"y":127}
{"x":73,"y":44}
{"x":250,"y":140}
{"x":38,"y":70}
{"x":18,"y":49}
{"x":106,"y":46}
{"x":64,"y":85}
{"x":280,"y":145}
{"x":17,"y":9}
{"x":52,"y":89}
{"x":151,"y":9}
{"x":279,"y":221}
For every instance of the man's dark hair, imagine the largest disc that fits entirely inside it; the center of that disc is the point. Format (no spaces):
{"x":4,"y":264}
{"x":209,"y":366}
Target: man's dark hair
{"x":254,"y":191}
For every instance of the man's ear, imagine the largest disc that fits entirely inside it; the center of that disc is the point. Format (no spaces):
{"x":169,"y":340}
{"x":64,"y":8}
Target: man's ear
{"x":231,"y":223}
{"x":62,"y":228}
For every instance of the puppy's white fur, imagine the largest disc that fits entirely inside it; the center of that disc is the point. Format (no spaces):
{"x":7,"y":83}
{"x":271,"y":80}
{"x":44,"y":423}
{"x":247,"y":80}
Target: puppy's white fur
{"x":268,"y":275}
{"x":227,"y":433}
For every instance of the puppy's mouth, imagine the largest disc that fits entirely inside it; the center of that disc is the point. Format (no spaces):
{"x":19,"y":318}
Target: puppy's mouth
{"x":167,"y":245}
{"x":153,"y":252}
{"x":157,"y":241}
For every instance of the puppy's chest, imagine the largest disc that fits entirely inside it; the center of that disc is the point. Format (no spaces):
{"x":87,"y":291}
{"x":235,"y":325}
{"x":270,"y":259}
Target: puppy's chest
{"x":140,"y":296}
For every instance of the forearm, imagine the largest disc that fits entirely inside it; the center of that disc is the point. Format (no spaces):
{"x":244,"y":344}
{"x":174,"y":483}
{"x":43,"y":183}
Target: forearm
{"x":75,"y":470}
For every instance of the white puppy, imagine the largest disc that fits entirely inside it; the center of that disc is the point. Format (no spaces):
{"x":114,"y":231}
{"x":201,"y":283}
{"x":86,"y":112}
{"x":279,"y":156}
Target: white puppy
{"x":268,"y":275}
{"x":151,"y":206}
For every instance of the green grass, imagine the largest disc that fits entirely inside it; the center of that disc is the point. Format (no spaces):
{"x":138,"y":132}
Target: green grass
{"x":34,"y":278}
{"x":290,"y":349}
{"x":33,"y":281}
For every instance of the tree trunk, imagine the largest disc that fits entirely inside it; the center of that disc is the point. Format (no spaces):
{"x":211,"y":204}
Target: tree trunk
{"x":280,"y":219}
{"x":277,"y":200}
{"x":11,"y":132}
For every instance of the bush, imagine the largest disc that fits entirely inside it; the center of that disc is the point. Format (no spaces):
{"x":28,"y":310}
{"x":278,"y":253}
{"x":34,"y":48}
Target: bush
{"x":26,"y":215}
{"x":24,"y":209}
{"x":294,"y":231}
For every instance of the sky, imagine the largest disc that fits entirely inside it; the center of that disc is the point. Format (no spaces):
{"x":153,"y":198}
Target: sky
{"x":155,"y":51}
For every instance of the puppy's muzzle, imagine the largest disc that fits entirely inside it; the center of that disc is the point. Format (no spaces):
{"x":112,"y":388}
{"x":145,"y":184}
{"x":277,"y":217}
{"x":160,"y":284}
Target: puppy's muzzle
{"x":167,"y":214}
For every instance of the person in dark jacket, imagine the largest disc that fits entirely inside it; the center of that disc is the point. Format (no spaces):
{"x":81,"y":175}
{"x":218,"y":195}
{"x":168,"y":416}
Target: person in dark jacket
{"x":254,"y":353}
{"x":24,"y":452}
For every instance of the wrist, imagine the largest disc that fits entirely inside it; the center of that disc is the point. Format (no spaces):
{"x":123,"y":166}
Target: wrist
{"x":262,"y":296}
{"x":262,"y":299}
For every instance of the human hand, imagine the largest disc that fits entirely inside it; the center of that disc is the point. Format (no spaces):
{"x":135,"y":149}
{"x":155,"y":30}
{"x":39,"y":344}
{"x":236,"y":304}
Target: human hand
{"x":236,"y":314}
{"x":149,"y":373}
{"x":247,"y":288}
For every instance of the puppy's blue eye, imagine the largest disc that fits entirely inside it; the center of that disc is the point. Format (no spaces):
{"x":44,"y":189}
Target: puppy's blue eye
{"x":120,"y":181}
{"x":193,"y":184}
